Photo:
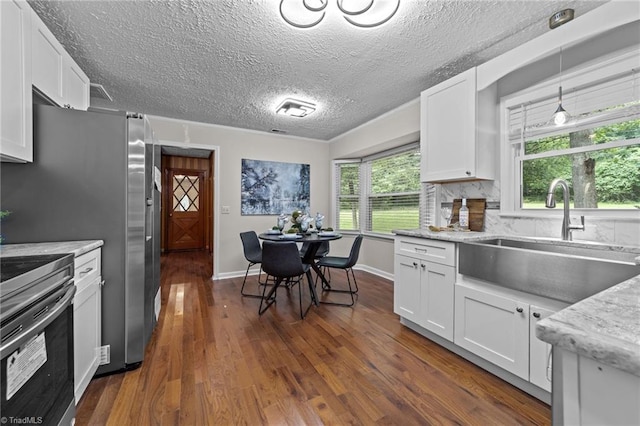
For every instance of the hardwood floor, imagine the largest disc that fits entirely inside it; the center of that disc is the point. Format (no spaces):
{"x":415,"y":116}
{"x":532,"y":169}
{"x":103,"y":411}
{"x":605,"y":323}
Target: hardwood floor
{"x":213,"y":361}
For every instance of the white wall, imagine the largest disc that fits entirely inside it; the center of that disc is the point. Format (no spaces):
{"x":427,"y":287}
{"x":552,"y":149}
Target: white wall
{"x":395,"y":128}
{"x":232,"y":145}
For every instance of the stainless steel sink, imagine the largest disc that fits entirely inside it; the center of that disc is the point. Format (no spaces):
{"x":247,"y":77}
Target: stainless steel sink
{"x":560,"y":270}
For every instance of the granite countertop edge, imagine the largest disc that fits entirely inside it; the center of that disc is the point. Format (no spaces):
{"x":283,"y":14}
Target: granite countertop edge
{"x":77,"y":248}
{"x":604,"y":327}
{"x":454,"y":236}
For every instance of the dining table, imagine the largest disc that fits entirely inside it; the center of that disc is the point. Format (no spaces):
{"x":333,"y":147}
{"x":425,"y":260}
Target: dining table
{"x":314,"y":241}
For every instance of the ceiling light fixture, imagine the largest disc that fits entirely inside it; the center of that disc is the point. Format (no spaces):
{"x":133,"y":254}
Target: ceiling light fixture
{"x":560,"y":117}
{"x":309,"y":13}
{"x":295,"y":108}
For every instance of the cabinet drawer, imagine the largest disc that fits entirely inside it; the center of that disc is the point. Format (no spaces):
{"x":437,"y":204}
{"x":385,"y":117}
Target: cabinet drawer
{"x":87,"y":268}
{"x":442,"y":252}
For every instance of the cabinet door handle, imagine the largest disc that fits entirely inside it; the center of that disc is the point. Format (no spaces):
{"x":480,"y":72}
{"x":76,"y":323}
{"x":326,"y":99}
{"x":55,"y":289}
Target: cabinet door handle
{"x":468,"y":173}
{"x":536,"y":314}
{"x":410,"y":266}
{"x":86,"y":271}
{"x":549,"y":366}
{"x":420,"y":250}
{"x":423,"y":265}
{"x":415,"y":265}
{"x":519,"y":310}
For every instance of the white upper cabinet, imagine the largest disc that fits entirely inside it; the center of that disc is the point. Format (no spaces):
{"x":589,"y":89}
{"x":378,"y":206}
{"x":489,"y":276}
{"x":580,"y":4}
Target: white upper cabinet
{"x":55,"y":73}
{"x":76,"y":85}
{"x":458,"y":130}
{"x":16,"y":137}
{"x":31,"y":56}
{"x":47,"y":57}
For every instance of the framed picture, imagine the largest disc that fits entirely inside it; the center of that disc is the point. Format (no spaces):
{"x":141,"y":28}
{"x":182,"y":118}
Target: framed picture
{"x":271,"y":187}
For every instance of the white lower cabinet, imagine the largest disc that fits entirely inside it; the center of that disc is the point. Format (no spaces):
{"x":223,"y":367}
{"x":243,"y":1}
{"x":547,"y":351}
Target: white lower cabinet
{"x":424,"y":282}
{"x":87,"y":317}
{"x":480,"y":318}
{"x":407,"y":287}
{"x":540,"y":364}
{"x":501,"y":329}
{"x":493,"y":327}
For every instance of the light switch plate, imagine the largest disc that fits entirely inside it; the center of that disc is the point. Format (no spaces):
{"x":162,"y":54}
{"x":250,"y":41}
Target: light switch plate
{"x":226,"y":209}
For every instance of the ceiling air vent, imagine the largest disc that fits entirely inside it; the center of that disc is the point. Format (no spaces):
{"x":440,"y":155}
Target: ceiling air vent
{"x":98,"y":91}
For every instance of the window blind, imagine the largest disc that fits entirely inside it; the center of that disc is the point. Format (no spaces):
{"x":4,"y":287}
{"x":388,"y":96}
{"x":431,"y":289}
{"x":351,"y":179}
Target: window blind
{"x":383,"y":192}
{"x":393,"y":190}
{"x":428,"y":205}
{"x":347,"y":185}
{"x":597,"y":104}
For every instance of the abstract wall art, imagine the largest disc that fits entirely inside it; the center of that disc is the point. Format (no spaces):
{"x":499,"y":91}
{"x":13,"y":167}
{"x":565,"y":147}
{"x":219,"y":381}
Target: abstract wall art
{"x":271,"y":187}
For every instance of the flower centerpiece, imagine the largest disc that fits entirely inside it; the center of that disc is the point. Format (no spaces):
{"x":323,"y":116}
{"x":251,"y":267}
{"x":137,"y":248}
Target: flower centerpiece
{"x":300,"y":222}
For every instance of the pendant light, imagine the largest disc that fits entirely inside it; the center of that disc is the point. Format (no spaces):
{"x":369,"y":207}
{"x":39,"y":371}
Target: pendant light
{"x":560,"y":117}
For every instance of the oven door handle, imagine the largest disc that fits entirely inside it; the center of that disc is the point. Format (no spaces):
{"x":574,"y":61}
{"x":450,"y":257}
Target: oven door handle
{"x":7,"y":348}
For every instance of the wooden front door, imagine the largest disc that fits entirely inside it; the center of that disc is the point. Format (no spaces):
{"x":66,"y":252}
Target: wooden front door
{"x":185,"y":224}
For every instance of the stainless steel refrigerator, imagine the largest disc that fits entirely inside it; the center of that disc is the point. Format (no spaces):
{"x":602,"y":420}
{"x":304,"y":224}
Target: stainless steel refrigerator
{"x":92,"y":178}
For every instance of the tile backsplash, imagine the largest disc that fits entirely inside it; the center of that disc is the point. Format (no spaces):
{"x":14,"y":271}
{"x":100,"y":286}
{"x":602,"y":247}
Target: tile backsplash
{"x":622,"y":231}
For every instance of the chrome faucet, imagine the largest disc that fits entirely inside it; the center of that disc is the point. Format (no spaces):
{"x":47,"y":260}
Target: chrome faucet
{"x":567,"y":227}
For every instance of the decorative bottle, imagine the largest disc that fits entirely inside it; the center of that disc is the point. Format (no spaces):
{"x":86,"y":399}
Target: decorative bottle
{"x":464,"y":216}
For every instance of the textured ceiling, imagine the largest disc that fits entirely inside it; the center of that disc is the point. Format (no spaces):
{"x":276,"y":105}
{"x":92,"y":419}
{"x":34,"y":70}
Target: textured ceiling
{"x":230,"y":62}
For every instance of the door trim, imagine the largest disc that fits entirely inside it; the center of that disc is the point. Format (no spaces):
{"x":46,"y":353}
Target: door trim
{"x":216,"y":190}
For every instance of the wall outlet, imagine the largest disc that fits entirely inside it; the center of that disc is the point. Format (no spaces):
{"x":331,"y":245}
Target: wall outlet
{"x":226,"y":209}
{"x":105,"y":354}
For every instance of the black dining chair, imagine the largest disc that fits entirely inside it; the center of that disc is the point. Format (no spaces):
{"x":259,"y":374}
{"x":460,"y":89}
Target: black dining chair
{"x":347,"y":264}
{"x":323,"y":249}
{"x":281,"y":261}
{"x":253,"y":254}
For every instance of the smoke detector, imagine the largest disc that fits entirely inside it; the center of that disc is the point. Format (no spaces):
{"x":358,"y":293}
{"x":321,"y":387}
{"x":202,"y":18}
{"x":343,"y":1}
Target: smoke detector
{"x":560,"y":18}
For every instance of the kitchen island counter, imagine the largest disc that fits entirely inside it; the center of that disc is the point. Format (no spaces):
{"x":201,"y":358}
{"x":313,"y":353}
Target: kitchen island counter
{"x":604,"y":327}
{"x":26,"y":249}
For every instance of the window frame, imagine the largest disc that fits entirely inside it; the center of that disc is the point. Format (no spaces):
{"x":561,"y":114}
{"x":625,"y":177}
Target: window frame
{"x":510,"y":161}
{"x":365,"y":190}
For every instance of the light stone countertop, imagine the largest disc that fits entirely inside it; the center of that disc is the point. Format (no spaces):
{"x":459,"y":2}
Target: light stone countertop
{"x":454,"y":236}
{"x":25,"y":249}
{"x":604,"y":327}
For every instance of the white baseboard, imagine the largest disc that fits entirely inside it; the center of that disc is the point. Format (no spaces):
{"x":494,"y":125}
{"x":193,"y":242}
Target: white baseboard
{"x":374,"y":271}
{"x":235,"y":274}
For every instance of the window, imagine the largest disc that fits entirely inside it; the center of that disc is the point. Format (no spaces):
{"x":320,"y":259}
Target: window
{"x":597,"y":152}
{"x":348,"y":214}
{"x":382,"y":192}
